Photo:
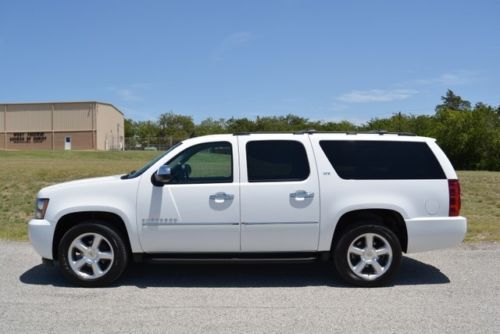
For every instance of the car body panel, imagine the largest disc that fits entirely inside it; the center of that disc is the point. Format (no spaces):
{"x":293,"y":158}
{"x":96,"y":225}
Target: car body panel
{"x":261,"y":216}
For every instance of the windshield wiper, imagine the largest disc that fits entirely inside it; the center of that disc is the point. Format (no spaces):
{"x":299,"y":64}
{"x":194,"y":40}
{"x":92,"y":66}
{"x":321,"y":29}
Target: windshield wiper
{"x":126,"y":176}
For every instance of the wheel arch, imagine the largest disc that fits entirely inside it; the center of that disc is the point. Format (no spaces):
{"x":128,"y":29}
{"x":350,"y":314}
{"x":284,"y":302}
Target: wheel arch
{"x":69,"y":220}
{"x":391,"y":219}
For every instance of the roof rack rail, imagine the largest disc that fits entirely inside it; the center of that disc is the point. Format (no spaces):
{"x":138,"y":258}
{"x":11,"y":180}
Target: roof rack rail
{"x":301,"y":132}
{"x":378,"y":132}
{"x":312,"y":131}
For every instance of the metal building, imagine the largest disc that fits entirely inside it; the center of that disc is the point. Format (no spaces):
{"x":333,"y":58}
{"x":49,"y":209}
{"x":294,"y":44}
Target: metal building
{"x":61,"y":126}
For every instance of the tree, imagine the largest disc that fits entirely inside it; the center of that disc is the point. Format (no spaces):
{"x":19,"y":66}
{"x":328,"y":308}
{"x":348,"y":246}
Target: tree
{"x":148,"y":129}
{"x":336,"y":126}
{"x":211,"y":126}
{"x":454,"y":102}
{"x":240,"y":125}
{"x":176,"y":126}
{"x":130,"y":127}
{"x":470,"y":136}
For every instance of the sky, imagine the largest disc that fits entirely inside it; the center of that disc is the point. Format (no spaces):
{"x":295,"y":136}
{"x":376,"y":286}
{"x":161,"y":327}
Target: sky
{"x":323,"y":60}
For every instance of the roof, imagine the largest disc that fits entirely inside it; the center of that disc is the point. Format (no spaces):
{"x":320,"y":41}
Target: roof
{"x":328,"y":135}
{"x":63,"y":102}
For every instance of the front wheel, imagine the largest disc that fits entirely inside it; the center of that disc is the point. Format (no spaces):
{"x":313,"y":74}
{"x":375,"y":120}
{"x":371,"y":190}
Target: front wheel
{"x":92,"y":254}
{"x":368,"y":255}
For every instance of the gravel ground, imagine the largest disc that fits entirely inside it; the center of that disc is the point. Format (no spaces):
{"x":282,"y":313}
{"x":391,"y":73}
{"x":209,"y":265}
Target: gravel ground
{"x":449,"y":291}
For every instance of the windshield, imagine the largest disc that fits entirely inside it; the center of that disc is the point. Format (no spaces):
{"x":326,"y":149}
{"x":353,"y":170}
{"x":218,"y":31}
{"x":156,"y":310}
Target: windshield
{"x":144,"y":168}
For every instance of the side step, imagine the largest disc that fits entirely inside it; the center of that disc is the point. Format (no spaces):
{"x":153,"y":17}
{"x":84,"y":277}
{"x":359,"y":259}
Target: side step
{"x":232,"y":257}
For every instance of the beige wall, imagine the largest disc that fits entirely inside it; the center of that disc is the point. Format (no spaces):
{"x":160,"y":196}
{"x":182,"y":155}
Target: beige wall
{"x":91,"y":125}
{"x":2,"y":117}
{"x":73,"y":116}
{"x":79,"y":140}
{"x":28,"y":117}
{"x":31,"y":144}
{"x":110,"y":128}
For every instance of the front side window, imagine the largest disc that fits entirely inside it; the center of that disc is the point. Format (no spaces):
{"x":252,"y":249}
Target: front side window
{"x":148,"y":165}
{"x":203,"y":163}
{"x":276,"y":161}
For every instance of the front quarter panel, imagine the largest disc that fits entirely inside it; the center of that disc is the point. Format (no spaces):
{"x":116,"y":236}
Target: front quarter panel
{"x":114,"y":195}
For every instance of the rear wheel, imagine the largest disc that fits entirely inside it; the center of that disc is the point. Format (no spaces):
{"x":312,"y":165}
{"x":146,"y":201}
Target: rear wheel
{"x":368,"y":255}
{"x":92,"y":254}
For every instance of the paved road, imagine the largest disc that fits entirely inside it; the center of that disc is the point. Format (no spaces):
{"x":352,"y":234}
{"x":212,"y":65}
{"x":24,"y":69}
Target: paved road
{"x":450,"y":291}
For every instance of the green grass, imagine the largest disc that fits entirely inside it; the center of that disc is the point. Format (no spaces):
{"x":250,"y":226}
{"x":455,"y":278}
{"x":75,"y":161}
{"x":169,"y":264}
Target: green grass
{"x":481,"y":204}
{"x":22,"y":174}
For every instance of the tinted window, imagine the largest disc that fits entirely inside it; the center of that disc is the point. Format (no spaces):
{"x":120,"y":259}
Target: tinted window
{"x":382,"y":160}
{"x":203,"y":163}
{"x":276,"y":160}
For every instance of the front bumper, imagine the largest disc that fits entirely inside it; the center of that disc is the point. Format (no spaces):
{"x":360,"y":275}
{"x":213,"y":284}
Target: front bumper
{"x":431,"y":233}
{"x":41,"y":233}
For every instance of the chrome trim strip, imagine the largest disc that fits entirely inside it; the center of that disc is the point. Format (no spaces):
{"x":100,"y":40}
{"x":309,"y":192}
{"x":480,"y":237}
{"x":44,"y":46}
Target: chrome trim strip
{"x":279,"y":223}
{"x":235,"y":259}
{"x":187,"y":224}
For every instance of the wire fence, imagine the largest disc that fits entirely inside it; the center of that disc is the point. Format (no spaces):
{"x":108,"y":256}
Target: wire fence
{"x":150,"y":143}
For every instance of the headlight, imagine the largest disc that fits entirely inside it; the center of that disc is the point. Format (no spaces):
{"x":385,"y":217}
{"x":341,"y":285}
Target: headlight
{"x":41,"y":207}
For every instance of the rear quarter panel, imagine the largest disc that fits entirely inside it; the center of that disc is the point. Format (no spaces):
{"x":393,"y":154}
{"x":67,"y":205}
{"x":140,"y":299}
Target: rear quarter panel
{"x":410,"y":198}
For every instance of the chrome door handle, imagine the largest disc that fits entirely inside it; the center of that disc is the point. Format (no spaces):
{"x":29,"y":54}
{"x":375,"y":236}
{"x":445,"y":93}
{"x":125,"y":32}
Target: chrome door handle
{"x":221,"y":197}
{"x":301,"y":195}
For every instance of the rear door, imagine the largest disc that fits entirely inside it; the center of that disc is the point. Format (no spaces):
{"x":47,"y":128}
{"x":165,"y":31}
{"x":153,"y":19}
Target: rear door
{"x":279,"y":194}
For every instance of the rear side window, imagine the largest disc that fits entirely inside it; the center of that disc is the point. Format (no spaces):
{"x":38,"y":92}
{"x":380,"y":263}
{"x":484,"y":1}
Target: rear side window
{"x":382,"y":160}
{"x":276,"y":161}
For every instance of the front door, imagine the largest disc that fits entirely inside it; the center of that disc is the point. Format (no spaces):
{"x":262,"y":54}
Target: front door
{"x":279,"y":194}
{"x":199,"y":210}
{"x":67,"y":143}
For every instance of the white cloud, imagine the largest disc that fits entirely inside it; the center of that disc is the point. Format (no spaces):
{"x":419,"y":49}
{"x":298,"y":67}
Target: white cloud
{"x":338,"y":107}
{"x":127,"y":94}
{"x":460,"y":77}
{"x":138,"y":115}
{"x":376,"y":95}
{"x":130,"y":93}
{"x":231,"y":42}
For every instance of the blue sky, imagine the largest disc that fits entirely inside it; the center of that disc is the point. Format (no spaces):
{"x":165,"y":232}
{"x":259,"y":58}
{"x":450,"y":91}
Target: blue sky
{"x":324,"y":60}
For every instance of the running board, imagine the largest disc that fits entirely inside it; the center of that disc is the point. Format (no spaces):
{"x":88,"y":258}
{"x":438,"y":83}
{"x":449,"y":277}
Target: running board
{"x":232,"y":258}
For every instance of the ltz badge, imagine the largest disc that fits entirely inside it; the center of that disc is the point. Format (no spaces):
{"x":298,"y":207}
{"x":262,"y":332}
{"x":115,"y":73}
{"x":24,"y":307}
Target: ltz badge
{"x":158,"y":221}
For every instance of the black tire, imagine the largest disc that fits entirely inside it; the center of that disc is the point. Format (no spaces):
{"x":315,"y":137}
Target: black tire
{"x":344,"y":262}
{"x":113,"y":240}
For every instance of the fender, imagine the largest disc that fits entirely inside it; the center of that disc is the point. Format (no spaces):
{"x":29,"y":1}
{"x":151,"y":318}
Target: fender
{"x":130,"y":225}
{"x":327,"y":228}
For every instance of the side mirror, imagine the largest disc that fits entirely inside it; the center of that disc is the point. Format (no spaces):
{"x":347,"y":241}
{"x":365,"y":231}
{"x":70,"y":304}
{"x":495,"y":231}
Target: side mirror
{"x":163,"y":175}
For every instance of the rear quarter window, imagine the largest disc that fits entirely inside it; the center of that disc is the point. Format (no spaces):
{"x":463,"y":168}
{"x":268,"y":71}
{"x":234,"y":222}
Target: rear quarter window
{"x":382,"y":160}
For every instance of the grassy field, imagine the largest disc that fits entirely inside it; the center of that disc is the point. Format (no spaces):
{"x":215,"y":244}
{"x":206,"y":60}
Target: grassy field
{"x":22,"y":174}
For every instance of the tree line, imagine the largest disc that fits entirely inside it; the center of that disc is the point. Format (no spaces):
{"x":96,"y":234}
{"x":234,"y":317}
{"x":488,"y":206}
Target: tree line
{"x":470,"y":135}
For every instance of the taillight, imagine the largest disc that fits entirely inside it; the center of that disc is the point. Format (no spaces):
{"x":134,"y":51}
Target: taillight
{"x":455,"y":202}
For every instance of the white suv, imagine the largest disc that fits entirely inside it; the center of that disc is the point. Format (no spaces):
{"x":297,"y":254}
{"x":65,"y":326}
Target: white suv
{"x":357,"y":199}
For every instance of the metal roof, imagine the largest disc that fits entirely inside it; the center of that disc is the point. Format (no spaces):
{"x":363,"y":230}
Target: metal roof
{"x":63,"y":102}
